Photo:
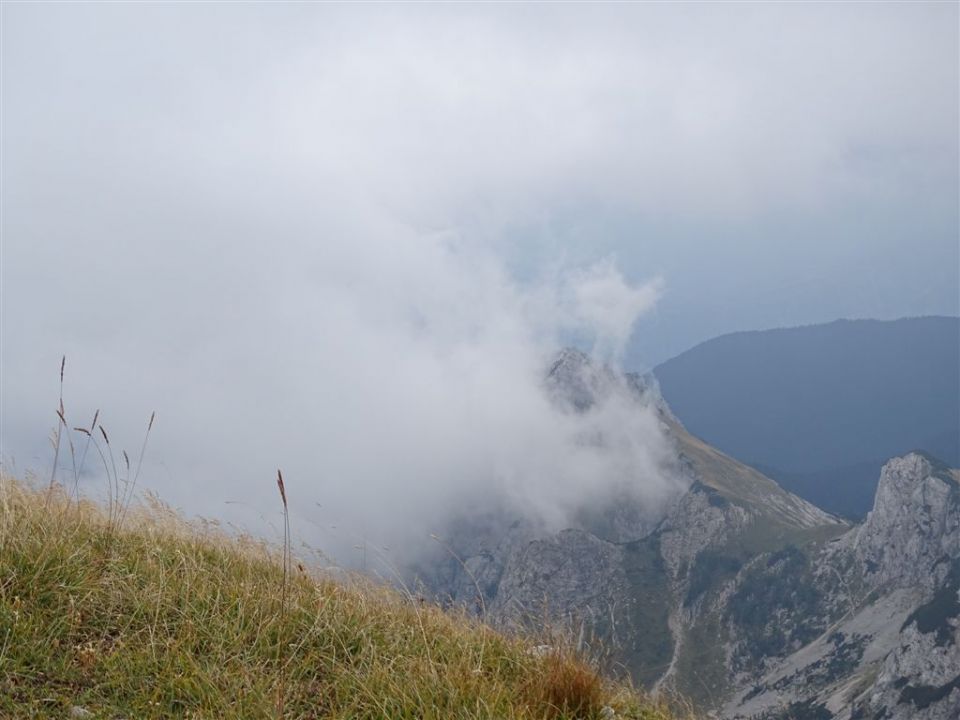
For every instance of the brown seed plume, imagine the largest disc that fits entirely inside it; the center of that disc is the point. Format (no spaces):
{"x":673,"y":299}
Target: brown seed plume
{"x":283,"y":492}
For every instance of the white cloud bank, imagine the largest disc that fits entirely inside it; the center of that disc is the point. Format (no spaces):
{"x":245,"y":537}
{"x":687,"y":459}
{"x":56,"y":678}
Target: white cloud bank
{"x":393,"y":396}
{"x":287,"y":227}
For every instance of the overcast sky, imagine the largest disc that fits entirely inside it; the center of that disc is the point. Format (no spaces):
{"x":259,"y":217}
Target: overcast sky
{"x":320,"y":236}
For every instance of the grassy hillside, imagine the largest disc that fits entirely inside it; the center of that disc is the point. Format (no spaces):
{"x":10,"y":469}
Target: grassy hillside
{"x":780,"y":518}
{"x":165,"y":619}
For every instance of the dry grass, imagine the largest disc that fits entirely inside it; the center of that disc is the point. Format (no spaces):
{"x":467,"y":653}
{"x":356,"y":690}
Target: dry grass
{"x":573,"y":688}
{"x":120,"y":488}
{"x":158,"y":618}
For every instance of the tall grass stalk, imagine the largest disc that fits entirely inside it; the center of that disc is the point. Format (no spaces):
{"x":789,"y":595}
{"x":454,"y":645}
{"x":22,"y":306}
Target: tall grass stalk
{"x":114,"y":480}
{"x":281,"y":663}
{"x":89,"y":434}
{"x":131,"y":487}
{"x":56,"y":442}
{"x":118,"y":500}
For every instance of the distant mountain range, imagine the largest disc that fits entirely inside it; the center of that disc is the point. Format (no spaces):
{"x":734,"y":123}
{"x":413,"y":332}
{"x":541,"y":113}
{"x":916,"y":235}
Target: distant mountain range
{"x":821,"y":408}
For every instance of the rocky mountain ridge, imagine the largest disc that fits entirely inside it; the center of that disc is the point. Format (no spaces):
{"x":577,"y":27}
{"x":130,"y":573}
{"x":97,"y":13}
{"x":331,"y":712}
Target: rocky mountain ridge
{"x":737,"y":594}
{"x":889,"y":612}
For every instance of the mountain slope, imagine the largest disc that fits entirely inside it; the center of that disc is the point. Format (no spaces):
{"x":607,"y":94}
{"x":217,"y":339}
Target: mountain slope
{"x":744,"y":598}
{"x":638,"y":594}
{"x":823,"y":406}
{"x":858,"y":623}
{"x":743,"y":484}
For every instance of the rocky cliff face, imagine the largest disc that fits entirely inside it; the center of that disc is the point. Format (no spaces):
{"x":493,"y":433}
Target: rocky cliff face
{"x":914,"y":524}
{"x":735,"y":593}
{"x":581,"y":575}
{"x":887,"y":612}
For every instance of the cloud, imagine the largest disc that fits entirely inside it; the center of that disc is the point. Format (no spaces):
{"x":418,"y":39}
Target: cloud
{"x":431,"y":112}
{"x":605,"y":306}
{"x":395,"y":389}
{"x":295,"y":230}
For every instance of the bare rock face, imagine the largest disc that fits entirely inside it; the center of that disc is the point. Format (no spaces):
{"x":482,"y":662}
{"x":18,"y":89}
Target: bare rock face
{"x":467,"y":567}
{"x":699,"y":519}
{"x":894,"y":652}
{"x":576,"y":383}
{"x":572,"y":576}
{"x":920,"y":678}
{"x":858,"y":624}
{"x":865,"y":626}
{"x":913,"y":525}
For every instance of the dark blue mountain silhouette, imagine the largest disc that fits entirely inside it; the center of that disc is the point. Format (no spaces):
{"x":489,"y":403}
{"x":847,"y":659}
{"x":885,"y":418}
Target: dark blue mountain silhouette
{"x":820,"y":408}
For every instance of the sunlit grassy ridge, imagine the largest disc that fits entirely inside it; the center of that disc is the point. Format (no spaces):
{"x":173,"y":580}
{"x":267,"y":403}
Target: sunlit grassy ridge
{"x":166,"y":619}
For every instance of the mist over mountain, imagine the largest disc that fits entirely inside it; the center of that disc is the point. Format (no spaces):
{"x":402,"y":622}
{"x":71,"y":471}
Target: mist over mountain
{"x":407,"y":252}
{"x":821,"y":408}
{"x":741,"y":597}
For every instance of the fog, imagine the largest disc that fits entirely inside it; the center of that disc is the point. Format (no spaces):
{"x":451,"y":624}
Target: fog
{"x":346,"y":241}
{"x":395,"y":400}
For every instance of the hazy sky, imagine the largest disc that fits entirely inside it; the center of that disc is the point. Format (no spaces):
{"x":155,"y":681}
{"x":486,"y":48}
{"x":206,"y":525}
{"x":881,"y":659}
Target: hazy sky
{"x":332,"y":236}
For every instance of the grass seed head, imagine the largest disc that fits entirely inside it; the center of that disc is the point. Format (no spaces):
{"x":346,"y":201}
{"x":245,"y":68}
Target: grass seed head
{"x":283,"y":492}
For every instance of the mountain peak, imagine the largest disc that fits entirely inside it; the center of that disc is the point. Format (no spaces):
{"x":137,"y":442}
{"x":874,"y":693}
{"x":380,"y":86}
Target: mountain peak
{"x":570,"y":357}
{"x":574,"y":380}
{"x":915,"y":520}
